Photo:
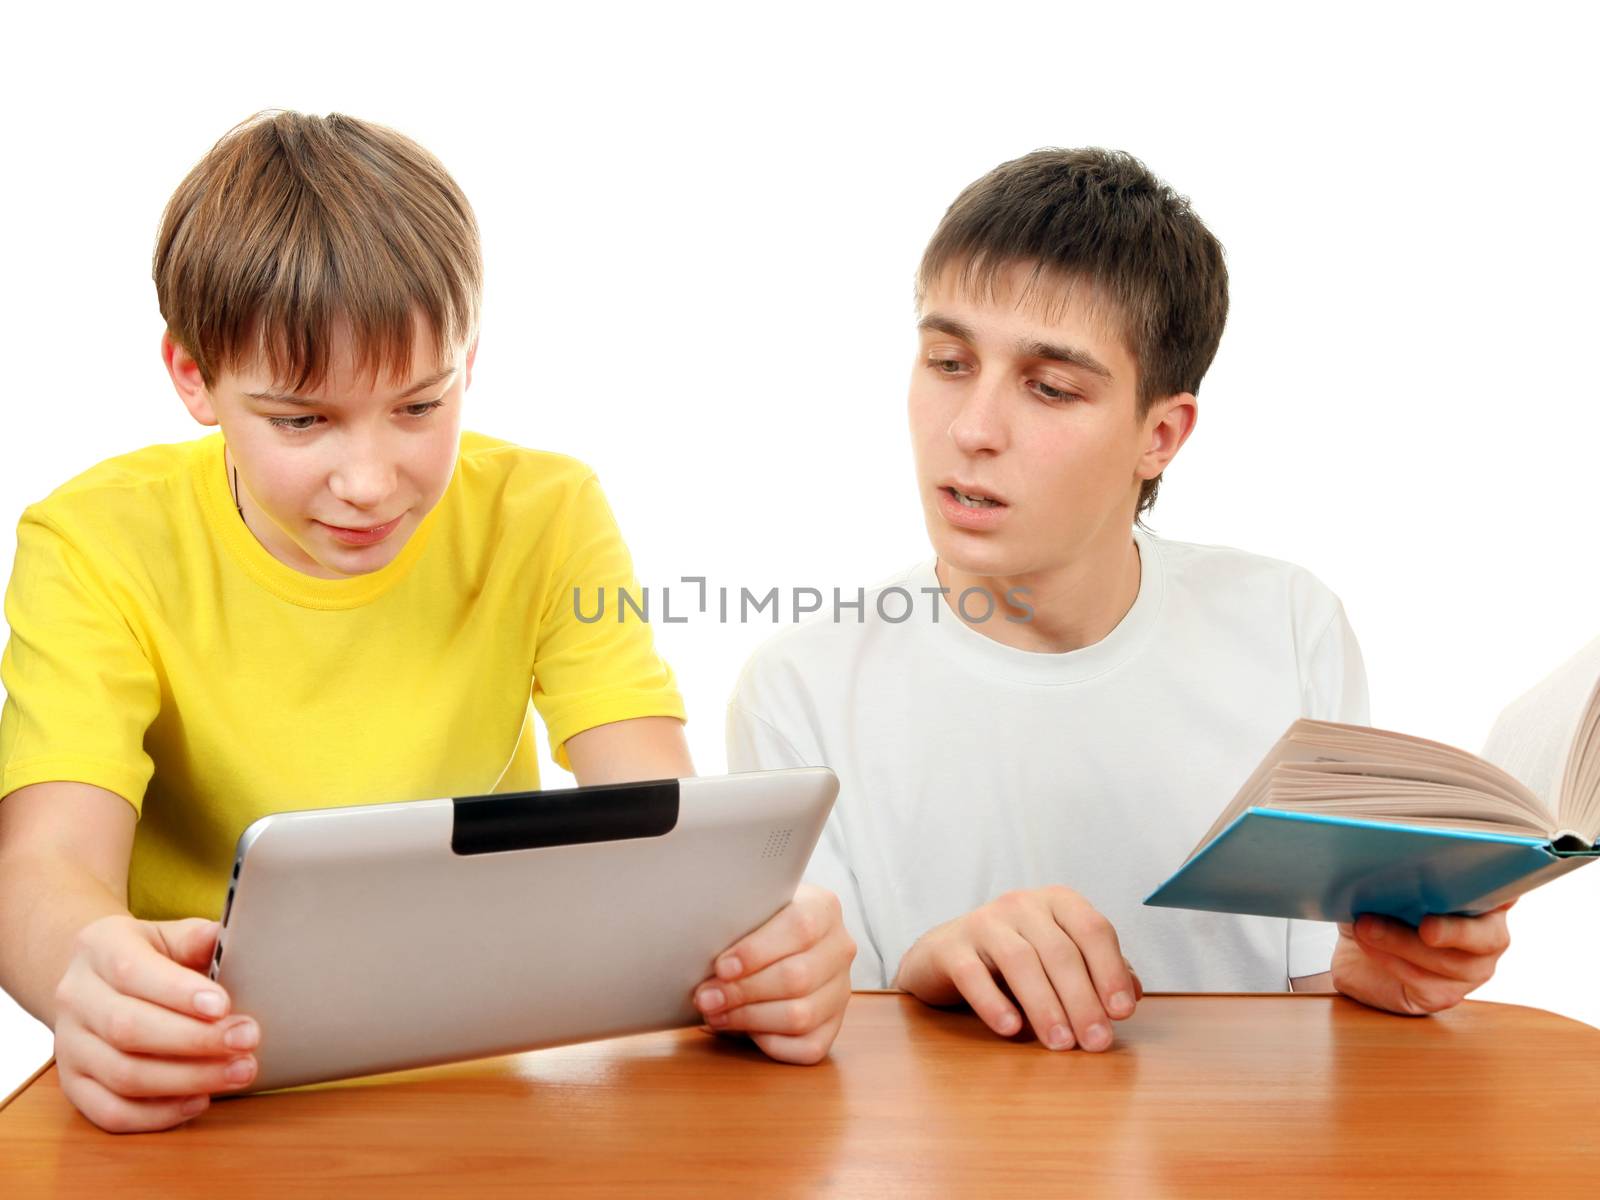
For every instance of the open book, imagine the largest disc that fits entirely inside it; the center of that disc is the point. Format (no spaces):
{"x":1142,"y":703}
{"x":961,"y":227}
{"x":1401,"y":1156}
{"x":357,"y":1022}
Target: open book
{"x":1342,"y":819}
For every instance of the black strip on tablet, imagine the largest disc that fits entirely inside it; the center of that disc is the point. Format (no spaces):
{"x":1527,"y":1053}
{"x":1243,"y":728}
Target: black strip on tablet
{"x":568,"y":817}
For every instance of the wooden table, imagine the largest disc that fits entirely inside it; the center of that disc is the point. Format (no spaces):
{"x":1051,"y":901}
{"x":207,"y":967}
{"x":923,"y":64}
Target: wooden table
{"x":1281,"y":1095}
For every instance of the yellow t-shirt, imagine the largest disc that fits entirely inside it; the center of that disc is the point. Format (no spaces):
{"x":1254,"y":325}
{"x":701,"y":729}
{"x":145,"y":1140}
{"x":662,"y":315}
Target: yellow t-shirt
{"x":159,"y":651}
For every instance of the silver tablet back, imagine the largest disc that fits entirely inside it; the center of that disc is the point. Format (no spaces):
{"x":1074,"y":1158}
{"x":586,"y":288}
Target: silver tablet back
{"x":387,"y":936}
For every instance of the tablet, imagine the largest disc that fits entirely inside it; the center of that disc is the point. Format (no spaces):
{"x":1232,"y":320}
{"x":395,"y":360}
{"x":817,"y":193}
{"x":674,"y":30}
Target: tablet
{"x":380,"y":937}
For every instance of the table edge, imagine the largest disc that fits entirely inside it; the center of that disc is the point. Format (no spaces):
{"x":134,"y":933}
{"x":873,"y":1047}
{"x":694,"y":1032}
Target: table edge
{"x":28,"y":1082}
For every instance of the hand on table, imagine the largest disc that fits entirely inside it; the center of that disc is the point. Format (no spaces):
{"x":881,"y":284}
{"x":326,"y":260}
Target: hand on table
{"x":786,"y":984}
{"x":138,"y":1047}
{"x":1391,"y":965}
{"x":1059,"y":957}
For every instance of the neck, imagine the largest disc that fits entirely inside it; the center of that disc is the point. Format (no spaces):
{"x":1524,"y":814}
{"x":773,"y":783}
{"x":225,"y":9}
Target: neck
{"x":1074,"y":605}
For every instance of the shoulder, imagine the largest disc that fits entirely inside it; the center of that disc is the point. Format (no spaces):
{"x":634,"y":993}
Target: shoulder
{"x":518,"y":471}
{"x":1246,"y":588}
{"x":128,"y":491}
{"x":823,"y":649}
{"x":519,"y":489}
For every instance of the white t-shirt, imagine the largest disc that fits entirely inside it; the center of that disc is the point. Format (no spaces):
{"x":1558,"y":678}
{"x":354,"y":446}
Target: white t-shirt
{"x":968,"y":768}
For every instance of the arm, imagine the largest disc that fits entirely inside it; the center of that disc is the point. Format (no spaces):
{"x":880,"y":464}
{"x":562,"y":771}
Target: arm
{"x":142,"y":1036}
{"x":623,"y":751}
{"x":1379,"y":961}
{"x":64,"y":850}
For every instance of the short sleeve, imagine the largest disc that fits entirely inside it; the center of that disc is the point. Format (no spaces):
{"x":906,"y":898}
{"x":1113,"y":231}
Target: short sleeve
{"x":756,"y":745}
{"x":1334,"y":688}
{"x":80,"y":689}
{"x":591,"y":668}
{"x":1334,"y":679}
{"x":1311,"y":946}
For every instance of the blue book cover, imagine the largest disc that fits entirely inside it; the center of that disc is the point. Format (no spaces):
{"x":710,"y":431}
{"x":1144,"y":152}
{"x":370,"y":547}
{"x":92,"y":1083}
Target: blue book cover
{"x":1314,"y":867}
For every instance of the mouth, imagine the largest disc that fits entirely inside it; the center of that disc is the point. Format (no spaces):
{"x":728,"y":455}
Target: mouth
{"x":362,"y":535}
{"x":971,"y":498}
{"x":966,"y":507}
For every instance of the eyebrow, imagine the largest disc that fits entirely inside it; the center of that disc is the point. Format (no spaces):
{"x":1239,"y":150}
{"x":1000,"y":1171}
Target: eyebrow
{"x":1066,"y":354}
{"x":421,"y":385}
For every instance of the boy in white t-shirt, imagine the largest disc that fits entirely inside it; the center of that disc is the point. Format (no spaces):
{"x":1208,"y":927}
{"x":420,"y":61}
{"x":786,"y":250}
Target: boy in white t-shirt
{"x":1034,"y":728}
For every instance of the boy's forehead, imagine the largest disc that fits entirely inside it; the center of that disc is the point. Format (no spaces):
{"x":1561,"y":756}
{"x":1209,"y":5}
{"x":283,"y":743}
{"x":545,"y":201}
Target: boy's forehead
{"x":347,"y":364}
{"x":1027,"y":296}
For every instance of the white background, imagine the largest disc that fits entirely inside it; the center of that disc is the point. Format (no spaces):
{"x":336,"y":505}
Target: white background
{"x":700,"y":226}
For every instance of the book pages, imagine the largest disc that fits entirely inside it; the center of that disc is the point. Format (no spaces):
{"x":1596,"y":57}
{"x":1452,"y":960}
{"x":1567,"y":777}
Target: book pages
{"x":1546,"y":738}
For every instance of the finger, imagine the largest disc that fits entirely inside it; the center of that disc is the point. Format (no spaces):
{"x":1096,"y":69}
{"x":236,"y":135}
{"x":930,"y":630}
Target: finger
{"x":972,"y":979}
{"x":142,"y":968}
{"x":801,"y":924}
{"x":1064,"y":965}
{"x":1138,"y":986}
{"x":143,"y":1077}
{"x":806,"y":1050}
{"x":137,"y":1026}
{"x":1400,"y":940}
{"x":117,"y":1114}
{"x":1018,"y":962}
{"x":798,"y":975}
{"x":1421,"y":991}
{"x":1484,"y":934}
{"x":1097,"y":942}
{"x":795,"y":1017}
{"x":190,"y":942}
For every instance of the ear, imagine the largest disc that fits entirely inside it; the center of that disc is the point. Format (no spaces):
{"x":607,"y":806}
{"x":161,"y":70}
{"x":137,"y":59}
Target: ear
{"x":186,"y":378}
{"x":472,"y":353}
{"x":1167,"y":426}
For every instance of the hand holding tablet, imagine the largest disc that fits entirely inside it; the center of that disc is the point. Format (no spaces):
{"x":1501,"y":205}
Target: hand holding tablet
{"x":142,"y":1037}
{"x":379,"y":937}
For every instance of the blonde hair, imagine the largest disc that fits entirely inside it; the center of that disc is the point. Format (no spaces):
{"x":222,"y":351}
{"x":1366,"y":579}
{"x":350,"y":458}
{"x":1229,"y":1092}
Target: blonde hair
{"x":292,"y":223}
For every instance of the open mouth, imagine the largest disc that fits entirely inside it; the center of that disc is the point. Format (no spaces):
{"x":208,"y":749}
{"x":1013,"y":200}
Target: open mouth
{"x":973,"y":500}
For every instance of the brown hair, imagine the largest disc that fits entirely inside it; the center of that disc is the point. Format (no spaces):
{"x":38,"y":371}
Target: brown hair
{"x":291,"y":223}
{"x":1098,"y":217}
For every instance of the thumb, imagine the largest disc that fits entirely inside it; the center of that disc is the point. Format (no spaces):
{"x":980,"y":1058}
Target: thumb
{"x":190,"y":941}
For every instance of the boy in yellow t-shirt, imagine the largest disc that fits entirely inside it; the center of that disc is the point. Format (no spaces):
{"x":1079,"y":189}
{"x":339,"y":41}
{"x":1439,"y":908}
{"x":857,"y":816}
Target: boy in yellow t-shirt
{"x":341,"y":598}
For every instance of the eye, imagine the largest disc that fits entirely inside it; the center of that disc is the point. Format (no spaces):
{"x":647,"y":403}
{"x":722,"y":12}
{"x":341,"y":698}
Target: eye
{"x":947,"y":366}
{"x":1051,"y":393}
{"x":294,"y":424}
{"x":423,"y":409}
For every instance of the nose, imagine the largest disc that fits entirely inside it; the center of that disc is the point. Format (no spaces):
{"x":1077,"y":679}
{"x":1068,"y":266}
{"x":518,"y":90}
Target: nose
{"x":364,"y":476}
{"x":979,"y":424}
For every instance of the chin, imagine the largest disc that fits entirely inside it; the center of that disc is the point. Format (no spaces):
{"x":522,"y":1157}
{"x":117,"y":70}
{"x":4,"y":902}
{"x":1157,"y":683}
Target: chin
{"x":975,"y":554}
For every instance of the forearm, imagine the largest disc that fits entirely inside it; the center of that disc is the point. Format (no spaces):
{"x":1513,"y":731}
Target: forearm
{"x":623,"y":751}
{"x":44,"y":902}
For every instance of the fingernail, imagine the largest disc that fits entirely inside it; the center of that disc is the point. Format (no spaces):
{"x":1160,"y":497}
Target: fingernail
{"x":240,"y":1070}
{"x":1098,"y":1037}
{"x":1377,"y":930}
{"x":1010,"y":1023}
{"x":1121,"y":1004}
{"x":1060,"y":1036}
{"x":193,"y":1105}
{"x":716,"y":1020}
{"x":729,"y":967}
{"x":242,"y":1036}
{"x":711,"y":999}
{"x":210,"y":1003}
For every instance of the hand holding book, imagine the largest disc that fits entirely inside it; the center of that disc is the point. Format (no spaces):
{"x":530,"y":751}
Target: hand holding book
{"x":1387,"y":964}
{"x":1340,"y":820}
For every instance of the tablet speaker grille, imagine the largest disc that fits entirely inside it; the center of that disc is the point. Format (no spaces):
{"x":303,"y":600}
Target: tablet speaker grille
{"x":777,"y":843}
